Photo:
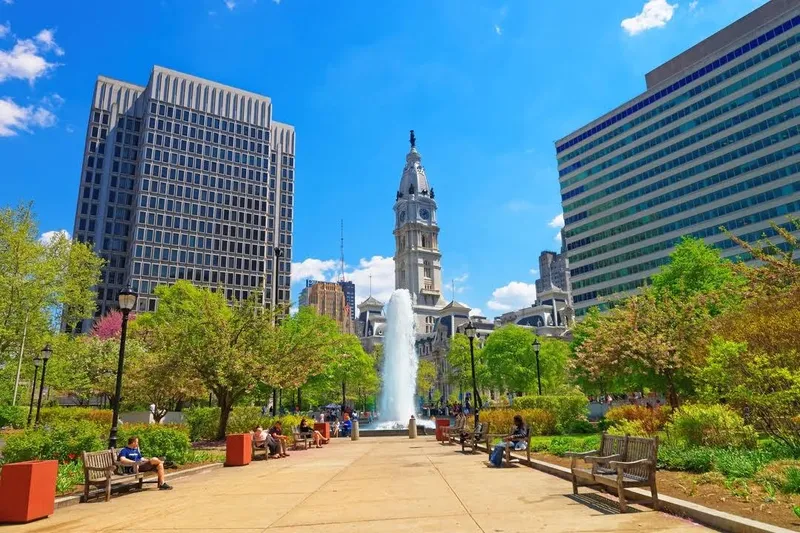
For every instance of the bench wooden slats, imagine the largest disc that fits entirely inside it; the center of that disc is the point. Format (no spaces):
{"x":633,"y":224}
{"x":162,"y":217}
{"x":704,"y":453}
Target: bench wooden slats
{"x":621,"y":462}
{"x":300,"y":437}
{"x":102,"y":469}
{"x":454,"y":432}
{"x":507,"y":453}
{"x":478,"y":435}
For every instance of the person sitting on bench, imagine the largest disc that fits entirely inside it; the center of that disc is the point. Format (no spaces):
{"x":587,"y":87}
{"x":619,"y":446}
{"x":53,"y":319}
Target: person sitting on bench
{"x":276,"y":432}
{"x":263,"y":439}
{"x":516,"y":440}
{"x":313,"y":434}
{"x":346,"y":426}
{"x":131,"y":455}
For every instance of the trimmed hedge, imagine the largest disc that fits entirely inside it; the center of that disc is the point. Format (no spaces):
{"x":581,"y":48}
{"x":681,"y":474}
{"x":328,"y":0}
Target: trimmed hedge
{"x":710,"y":425}
{"x":566,"y":408}
{"x":168,"y":441}
{"x":13,"y":416}
{"x":51,"y":415}
{"x":539,"y":421}
{"x":203,"y":421}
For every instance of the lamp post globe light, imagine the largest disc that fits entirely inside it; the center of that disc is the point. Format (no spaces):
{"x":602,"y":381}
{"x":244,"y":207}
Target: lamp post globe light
{"x":37,"y":362}
{"x":127,"y":303}
{"x":470,"y":331}
{"x":45,"y":356}
{"x":536,"y":347}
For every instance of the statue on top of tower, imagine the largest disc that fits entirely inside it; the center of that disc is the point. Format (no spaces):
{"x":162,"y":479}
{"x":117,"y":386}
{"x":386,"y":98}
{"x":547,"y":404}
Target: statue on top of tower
{"x":412,"y":139}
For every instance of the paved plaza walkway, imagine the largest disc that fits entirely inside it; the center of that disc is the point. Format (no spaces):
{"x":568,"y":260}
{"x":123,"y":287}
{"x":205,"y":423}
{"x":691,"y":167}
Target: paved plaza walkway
{"x":374,"y":484}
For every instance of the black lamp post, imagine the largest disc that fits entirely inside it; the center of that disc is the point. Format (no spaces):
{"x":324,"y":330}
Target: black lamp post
{"x":37,"y":362}
{"x":46,"y":353}
{"x":536,"y":347}
{"x":127,"y":303}
{"x":469,"y":329}
{"x":278,"y":255}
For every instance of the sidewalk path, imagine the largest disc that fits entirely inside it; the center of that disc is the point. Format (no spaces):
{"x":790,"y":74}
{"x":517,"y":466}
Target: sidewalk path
{"x":375,"y":484}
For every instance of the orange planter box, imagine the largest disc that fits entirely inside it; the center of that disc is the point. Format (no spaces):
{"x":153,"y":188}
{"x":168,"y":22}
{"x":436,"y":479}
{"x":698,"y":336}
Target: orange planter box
{"x":27,"y":490}
{"x":441,"y":425}
{"x":238,"y":449}
{"x":324,"y":428}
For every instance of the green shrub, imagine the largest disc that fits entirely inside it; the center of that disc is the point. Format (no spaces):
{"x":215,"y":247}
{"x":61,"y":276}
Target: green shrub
{"x":581,"y":427}
{"x":244,"y":419}
{"x":711,"y":425}
{"x":13,"y":416}
{"x":737,"y":463}
{"x":202,"y":422}
{"x":69,"y":475}
{"x":55,"y":415}
{"x":566,"y":408}
{"x":689,"y":459}
{"x":650,"y":421}
{"x":63,"y":442}
{"x":634,"y":428}
{"x":792,"y":484}
{"x":539,"y":421}
{"x":155,"y":440}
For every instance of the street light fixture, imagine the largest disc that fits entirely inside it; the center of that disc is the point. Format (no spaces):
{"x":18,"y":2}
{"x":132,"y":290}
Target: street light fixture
{"x":37,"y":362}
{"x":470,"y":331}
{"x":46,"y":353}
{"x":275,"y":322}
{"x":127,"y":303}
{"x":536,"y":347}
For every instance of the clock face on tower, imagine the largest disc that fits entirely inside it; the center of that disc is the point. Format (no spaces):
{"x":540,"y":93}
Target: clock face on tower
{"x":425,"y":214}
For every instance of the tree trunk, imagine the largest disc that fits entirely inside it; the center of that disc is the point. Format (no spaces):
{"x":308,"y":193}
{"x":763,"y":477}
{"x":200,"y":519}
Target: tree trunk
{"x":674,"y":403}
{"x":274,"y":401}
{"x":299,"y":398}
{"x":225,"y":407}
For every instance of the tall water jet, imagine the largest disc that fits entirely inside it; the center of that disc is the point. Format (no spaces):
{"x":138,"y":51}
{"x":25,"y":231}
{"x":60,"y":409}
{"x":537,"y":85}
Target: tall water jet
{"x":399,"y":362}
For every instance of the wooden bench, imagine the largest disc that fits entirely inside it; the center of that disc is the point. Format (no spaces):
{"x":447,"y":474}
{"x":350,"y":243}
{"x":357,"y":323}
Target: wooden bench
{"x":103,"y":469}
{"x":454,"y":432}
{"x":507,"y":454}
{"x":478,"y":435}
{"x":620,"y":462}
{"x":264,"y":449}
{"x":300,"y":437}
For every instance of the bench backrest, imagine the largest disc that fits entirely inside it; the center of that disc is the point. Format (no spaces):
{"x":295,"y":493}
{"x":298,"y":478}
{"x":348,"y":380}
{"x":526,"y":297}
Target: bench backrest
{"x":103,"y":459}
{"x":613,"y":445}
{"x":642,"y":448}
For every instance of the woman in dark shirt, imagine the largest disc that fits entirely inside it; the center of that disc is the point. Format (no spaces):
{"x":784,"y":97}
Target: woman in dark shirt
{"x":319,"y":440}
{"x":516,"y":440}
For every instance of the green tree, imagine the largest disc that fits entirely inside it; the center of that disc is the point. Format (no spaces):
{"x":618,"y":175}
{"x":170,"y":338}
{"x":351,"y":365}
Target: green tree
{"x":459,"y":361}
{"x":510,"y":359}
{"x":426,"y":377}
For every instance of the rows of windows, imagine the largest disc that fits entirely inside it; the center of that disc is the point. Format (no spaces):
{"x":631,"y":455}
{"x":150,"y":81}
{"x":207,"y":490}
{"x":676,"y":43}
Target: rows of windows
{"x":697,"y":186}
{"x":751,"y":183}
{"x":698,"y":120}
{"x":783,"y":99}
{"x":717,"y":63}
{"x":684,"y":143}
{"x":168,"y":111}
{"x":721,"y":211}
{"x":722,"y":142}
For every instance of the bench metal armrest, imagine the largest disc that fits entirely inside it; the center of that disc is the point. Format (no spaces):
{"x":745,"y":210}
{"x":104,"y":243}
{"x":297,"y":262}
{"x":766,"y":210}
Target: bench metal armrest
{"x":622,"y":465}
{"x":601,"y":460}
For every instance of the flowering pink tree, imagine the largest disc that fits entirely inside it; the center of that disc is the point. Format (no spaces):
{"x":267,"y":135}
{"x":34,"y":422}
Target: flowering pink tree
{"x":110,"y":326}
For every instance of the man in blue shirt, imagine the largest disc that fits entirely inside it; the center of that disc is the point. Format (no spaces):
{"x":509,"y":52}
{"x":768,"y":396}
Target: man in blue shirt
{"x":131,"y":455}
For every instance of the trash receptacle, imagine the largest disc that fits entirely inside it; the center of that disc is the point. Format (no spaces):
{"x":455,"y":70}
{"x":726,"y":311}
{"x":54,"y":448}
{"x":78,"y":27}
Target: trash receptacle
{"x":27,"y":491}
{"x":441,"y":428}
{"x":238,"y":449}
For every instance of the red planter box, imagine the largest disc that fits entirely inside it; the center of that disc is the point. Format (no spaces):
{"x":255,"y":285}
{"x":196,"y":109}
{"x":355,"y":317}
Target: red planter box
{"x":238,"y":449}
{"x":441,"y":425}
{"x":27,"y":490}
{"x":324,"y":428}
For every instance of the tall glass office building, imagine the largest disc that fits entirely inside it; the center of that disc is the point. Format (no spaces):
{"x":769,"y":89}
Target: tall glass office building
{"x":712,"y":143}
{"x":186,"y":178}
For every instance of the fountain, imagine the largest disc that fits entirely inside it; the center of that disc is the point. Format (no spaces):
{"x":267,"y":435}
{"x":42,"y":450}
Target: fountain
{"x":397,"y":402}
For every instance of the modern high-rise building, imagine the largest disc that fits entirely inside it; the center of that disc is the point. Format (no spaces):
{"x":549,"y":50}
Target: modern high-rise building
{"x":713,"y":142}
{"x":186,"y":178}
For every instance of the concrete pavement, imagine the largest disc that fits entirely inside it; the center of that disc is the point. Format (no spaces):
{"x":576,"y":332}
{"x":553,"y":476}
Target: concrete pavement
{"x":374,"y":484}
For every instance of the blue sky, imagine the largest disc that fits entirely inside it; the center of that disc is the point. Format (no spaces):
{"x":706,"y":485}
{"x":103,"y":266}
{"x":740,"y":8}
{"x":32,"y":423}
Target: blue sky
{"x":488,"y":86}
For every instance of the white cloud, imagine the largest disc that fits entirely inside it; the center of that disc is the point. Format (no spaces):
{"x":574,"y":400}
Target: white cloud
{"x":312,"y":269}
{"x":498,"y":30}
{"x":655,"y":14}
{"x":380,"y":268}
{"x":558,"y":237}
{"x":277,"y":1}
{"x":515,"y":295}
{"x":26,"y":60}
{"x":70,"y":129}
{"x":48,"y":236}
{"x":534,"y":272}
{"x":476,"y":312}
{"x":693,"y":5}
{"x":46,"y":38}
{"x":518,"y":206}
{"x":5,"y":29}
{"x":230,"y":4}
{"x":8,"y":2}
{"x":212,"y":13}
{"x":15,"y":118}
{"x":557,"y":221}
